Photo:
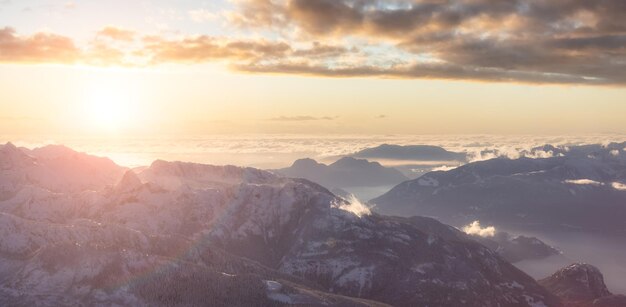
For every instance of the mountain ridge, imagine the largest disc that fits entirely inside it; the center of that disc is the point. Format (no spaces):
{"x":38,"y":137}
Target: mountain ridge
{"x":280,"y":239}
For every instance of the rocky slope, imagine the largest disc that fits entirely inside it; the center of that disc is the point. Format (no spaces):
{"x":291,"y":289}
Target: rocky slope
{"x":182,"y":233}
{"x":582,"y":285}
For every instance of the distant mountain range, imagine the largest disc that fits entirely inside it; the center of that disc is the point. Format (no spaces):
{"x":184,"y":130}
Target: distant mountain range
{"x":345,"y":172}
{"x":410,"y":153}
{"x":579,"y":188}
{"x":186,"y":234}
{"x":412,"y":160}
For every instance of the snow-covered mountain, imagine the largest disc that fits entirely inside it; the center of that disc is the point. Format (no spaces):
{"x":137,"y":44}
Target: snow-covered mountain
{"x":580,"y":188}
{"x":185,"y":234}
{"x":345,"y":172}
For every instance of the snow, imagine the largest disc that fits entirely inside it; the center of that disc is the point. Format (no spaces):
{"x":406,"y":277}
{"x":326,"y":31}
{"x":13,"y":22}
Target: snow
{"x":281,"y":298}
{"x":359,"y":276}
{"x":423,"y":268}
{"x":428,"y":182}
{"x":513,"y":285}
{"x":534,"y":303}
{"x":273,"y":285}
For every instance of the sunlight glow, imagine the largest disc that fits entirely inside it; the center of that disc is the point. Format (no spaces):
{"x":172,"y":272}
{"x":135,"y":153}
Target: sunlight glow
{"x":108,"y":108}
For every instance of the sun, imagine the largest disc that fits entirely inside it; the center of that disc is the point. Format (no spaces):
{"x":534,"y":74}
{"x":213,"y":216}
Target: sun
{"x":108,"y":109}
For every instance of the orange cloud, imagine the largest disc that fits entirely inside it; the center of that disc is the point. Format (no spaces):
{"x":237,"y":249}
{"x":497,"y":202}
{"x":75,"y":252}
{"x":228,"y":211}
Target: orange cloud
{"x":38,"y":48}
{"x":429,"y":54}
{"x":116,"y":33}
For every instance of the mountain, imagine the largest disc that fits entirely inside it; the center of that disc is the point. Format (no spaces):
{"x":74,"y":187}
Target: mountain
{"x":345,"y":172}
{"x":582,"y":285}
{"x":413,"y":160}
{"x":410,"y":152}
{"x":517,"y":248}
{"x":187,"y":234}
{"x":580,"y":188}
{"x":55,"y":168}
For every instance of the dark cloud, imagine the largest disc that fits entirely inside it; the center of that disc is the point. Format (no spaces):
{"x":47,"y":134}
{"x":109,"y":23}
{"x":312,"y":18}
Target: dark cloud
{"x":424,"y":71}
{"x":529,"y":41}
{"x":206,"y":48}
{"x":571,"y":41}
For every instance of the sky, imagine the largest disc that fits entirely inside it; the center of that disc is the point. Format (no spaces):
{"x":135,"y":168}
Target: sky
{"x":151,"y":68}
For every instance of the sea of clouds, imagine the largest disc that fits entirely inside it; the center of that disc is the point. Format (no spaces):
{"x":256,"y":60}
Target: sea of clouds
{"x":276,"y":151}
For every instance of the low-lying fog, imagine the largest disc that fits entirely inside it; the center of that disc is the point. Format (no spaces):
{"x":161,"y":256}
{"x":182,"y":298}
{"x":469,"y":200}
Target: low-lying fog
{"x":608,"y":254}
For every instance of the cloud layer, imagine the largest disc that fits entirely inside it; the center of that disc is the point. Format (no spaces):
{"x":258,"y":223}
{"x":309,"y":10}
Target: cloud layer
{"x":566,"y":41}
{"x":530,"y":41}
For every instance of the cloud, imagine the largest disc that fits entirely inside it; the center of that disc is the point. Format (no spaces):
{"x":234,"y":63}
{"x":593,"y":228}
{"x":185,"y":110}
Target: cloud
{"x":420,"y":71}
{"x":615,"y":185}
{"x":116,"y":33}
{"x":382,"y":116}
{"x":619,"y":186}
{"x":117,"y":46}
{"x":353,"y":205}
{"x":206,"y":48}
{"x":302,"y":118}
{"x":585,"y":182}
{"x":574,"y":41}
{"x":41,"y":47}
{"x":280,"y":150}
{"x":476,"y":230}
{"x":523,"y":41}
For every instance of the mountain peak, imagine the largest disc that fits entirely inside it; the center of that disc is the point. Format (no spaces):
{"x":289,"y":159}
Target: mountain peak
{"x":306,"y":162}
{"x":11,"y":156}
{"x":9,"y":145}
{"x":53,"y":151}
{"x":578,"y":282}
{"x":130,"y":181}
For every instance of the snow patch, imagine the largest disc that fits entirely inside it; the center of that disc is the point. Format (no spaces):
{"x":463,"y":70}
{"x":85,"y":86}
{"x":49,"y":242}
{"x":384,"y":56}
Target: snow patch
{"x":273,"y":285}
{"x":532,"y":302}
{"x":428,"y":182}
{"x":359,"y":276}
